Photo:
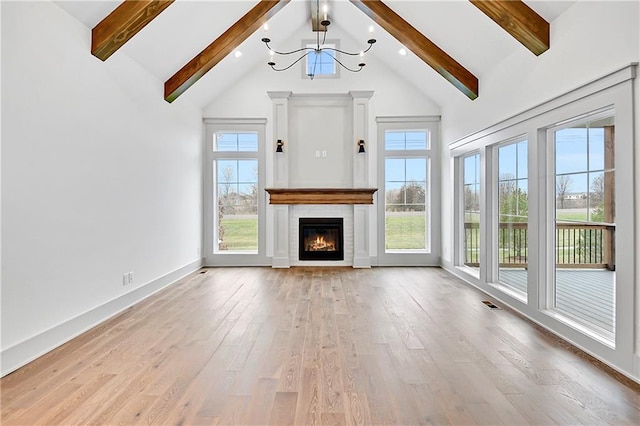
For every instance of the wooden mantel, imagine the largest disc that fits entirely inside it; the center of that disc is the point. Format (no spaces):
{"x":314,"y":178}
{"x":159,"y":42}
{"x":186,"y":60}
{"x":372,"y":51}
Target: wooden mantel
{"x":321,"y":195}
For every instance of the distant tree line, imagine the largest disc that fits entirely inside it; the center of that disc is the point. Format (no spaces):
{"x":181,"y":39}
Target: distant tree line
{"x":410,"y":197}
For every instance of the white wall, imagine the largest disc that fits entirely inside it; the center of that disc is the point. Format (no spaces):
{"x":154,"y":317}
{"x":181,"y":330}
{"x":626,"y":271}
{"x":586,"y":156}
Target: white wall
{"x":100,"y":176}
{"x":588,"y":41}
{"x":392,"y":96}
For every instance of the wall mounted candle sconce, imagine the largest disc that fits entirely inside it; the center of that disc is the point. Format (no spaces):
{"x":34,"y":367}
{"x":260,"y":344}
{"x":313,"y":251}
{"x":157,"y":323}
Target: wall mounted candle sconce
{"x":361,"y":147}
{"x":279,"y":145}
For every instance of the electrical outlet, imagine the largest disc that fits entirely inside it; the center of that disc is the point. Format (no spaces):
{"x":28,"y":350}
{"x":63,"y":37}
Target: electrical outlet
{"x":130,"y":274}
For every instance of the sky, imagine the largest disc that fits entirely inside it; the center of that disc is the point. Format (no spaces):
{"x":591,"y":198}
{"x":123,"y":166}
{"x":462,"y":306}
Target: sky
{"x":579,"y":155}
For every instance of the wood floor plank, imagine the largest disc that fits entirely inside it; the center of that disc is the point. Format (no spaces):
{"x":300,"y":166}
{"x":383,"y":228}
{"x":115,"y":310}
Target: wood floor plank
{"x":317,"y":345}
{"x":310,"y":398}
{"x":284,"y":409}
{"x":261,"y":404}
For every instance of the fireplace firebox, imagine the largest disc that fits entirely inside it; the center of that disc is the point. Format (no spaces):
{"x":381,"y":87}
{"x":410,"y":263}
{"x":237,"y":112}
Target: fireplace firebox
{"x":321,"y":238}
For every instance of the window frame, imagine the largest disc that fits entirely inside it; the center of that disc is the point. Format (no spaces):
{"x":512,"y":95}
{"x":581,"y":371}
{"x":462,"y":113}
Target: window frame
{"x":213,"y":126}
{"x":460,"y":202}
{"x":548,"y":302}
{"x":312,"y":42}
{"x":431,"y":254}
{"x":493,"y":274}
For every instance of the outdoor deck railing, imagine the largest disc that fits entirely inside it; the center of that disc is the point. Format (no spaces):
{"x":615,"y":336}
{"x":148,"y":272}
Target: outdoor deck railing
{"x":578,"y":245}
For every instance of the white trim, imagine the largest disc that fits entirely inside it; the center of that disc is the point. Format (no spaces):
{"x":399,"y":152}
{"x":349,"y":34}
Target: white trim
{"x":618,"y":76}
{"x":430,"y":255}
{"x":320,"y":97}
{"x":29,"y":349}
{"x":408,"y":119}
{"x":212,"y":126}
{"x":357,"y":94}
{"x":234,"y":121}
{"x":279,"y":95}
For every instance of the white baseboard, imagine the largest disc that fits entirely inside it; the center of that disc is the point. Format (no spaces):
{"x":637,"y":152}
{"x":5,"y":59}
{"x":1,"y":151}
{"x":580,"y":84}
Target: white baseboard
{"x":280,"y":262}
{"x":362,"y":262}
{"x":28,"y":350}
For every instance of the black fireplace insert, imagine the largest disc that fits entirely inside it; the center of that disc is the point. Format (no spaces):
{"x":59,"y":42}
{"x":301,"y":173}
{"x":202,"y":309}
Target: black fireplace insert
{"x":321,"y":238}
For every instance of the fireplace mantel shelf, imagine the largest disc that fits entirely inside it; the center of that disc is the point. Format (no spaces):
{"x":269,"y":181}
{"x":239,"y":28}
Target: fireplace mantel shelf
{"x":321,"y":195}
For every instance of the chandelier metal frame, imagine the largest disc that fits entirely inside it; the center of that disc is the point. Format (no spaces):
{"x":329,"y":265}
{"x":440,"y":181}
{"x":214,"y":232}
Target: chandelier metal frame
{"x":318,"y":49}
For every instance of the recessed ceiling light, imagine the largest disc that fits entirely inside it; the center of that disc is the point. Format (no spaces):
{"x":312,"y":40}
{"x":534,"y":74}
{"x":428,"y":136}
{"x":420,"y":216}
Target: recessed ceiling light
{"x":237,"y":54}
{"x":403,"y":52}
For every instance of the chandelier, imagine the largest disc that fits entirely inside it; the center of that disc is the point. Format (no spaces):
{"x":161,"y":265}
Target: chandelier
{"x":319,"y":49}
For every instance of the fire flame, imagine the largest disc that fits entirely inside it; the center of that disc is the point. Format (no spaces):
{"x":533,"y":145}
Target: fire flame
{"x":319,"y":244}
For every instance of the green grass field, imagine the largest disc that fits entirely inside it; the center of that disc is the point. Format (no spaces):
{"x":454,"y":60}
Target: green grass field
{"x":240,"y":234}
{"x":405,"y":232}
{"x":571,"y":215}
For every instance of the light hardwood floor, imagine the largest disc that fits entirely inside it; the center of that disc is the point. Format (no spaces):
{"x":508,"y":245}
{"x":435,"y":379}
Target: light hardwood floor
{"x":317,"y":346}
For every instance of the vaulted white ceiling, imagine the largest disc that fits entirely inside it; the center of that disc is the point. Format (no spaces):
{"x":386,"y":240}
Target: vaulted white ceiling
{"x":186,"y":27}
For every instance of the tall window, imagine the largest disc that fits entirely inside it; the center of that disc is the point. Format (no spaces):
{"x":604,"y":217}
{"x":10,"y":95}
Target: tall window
{"x":236,"y":192}
{"x":408,"y":194}
{"x":585,"y":222}
{"x":406,"y":167}
{"x":512,"y":230}
{"x":471,"y":203}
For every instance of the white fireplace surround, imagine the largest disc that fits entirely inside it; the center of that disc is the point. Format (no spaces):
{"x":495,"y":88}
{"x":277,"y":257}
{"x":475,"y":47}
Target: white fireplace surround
{"x":305,"y":211}
{"x":337,"y":145}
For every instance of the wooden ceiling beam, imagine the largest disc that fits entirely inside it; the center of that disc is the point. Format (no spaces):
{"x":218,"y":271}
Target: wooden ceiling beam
{"x":221,"y":47}
{"x":123,"y":23}
{"x":519,"y":20}
{"x":420,"y":45}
